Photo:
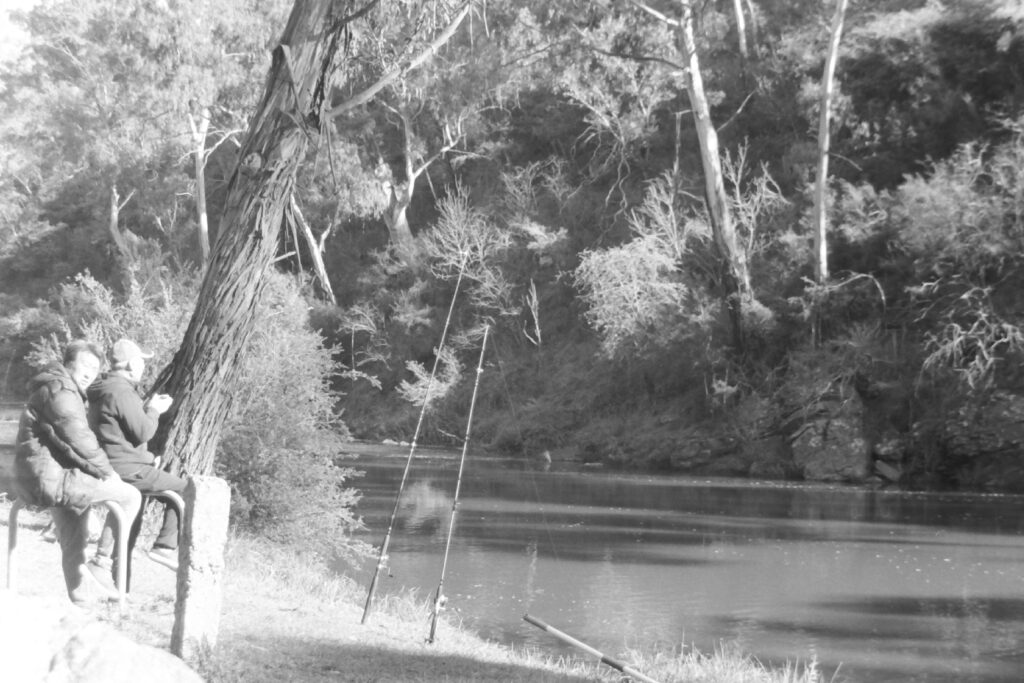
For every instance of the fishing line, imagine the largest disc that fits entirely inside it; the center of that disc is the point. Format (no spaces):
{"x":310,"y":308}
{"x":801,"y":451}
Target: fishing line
{"x":382,"y":558}
{"x":439,"y":598}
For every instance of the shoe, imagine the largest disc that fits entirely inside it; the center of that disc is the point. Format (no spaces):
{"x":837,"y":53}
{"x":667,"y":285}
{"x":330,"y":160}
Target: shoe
{"x":91,"y":589}
{"x":100,"y":568}
{"x":165,"y":556}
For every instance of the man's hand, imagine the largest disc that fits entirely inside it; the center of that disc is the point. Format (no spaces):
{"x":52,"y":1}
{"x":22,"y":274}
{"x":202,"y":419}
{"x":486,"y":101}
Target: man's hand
{"x":160,"y":403}
{"x":112,"y":476}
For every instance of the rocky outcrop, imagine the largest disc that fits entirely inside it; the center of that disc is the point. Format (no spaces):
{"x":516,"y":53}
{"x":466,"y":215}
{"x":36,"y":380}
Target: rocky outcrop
{"x":984,"y":445}
{"x":54,"y":642}
{"x":832,"y":446}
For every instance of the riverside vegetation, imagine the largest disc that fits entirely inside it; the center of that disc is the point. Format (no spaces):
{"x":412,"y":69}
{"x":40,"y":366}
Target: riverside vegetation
{"x":546,"y":160}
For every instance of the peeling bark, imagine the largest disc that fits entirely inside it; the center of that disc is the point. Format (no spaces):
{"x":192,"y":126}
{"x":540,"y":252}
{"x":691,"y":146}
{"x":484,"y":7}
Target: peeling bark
{"x":287,"y":121}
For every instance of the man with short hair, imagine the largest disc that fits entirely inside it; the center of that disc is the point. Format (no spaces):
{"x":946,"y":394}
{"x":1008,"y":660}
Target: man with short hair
{"x":59,"y":463}
{"x":124,"y":423}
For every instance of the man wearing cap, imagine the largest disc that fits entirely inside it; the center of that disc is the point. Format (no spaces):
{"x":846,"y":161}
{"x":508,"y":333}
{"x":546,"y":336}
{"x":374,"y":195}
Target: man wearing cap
{"x":59,"y":464}
{"x":124,"y":423}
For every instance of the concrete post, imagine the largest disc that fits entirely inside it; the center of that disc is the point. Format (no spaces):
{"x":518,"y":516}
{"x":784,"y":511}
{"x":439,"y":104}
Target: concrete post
{"x":200,"y":568}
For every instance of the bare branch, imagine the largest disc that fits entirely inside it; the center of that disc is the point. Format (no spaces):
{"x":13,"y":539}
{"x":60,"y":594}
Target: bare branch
{"x":391,"y":76}
{"x":633,"y":57}
{"x":656,"y":14}
{"x":737,"y":112}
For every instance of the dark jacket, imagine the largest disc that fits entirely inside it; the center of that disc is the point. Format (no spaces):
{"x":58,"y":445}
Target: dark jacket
{"x":121,"y":422}
{"x":55,"y":443}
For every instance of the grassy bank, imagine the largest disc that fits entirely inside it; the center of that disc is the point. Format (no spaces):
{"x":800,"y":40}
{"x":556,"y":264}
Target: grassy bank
{"x":285,"y":617}
{"x":398,"y":626}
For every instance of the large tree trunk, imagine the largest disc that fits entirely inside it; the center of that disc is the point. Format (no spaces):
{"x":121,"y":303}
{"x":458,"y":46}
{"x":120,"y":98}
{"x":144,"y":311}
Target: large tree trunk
{"x":821,"y":184}
{"x":735,"y":278}
{"x":286,"y":122}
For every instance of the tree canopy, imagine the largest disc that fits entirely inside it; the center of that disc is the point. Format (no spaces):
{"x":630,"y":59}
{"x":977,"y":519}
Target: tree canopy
{"x":626,"y":186}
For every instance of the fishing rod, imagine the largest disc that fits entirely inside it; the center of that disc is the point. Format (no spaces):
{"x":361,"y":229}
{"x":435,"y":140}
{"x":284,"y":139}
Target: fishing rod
{"x":565,"y":637}
{"x":439,"y":598}
{"x":382,"y":558}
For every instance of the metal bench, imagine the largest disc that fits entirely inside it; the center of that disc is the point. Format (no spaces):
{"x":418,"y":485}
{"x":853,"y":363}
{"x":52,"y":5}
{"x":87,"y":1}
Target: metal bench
{"x":121,"y":539}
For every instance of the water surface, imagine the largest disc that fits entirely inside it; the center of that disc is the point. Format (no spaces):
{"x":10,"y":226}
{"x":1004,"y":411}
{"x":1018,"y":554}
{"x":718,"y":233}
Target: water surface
{"x":883,"y":585}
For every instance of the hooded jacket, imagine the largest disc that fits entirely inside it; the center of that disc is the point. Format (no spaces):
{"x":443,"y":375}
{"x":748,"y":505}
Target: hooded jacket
{"x":121,"y":422}
{"x":55,"y":443}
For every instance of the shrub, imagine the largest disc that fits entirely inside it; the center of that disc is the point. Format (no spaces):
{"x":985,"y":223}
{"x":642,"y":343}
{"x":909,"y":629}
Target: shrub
{"x":637,"y":297}
{"x":279,"y":448}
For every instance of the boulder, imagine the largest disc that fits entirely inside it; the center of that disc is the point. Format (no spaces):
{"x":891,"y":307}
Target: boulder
{"x":832,"y":447}
{"x":771,"y":458}
{"x":985,"y":445}
{"x":52,"y":641}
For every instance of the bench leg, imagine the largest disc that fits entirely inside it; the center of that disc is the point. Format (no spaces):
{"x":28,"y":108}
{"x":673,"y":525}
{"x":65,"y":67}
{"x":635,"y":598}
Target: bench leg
{"x":175,"y":500}
{"x":123,"y":527}
{"x":122,"y":546}
{"x":12,"y":543}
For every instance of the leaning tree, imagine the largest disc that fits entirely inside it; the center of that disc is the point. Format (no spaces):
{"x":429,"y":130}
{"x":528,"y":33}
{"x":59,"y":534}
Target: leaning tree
{"x":291,"y":118}
{"x":288,"y":119}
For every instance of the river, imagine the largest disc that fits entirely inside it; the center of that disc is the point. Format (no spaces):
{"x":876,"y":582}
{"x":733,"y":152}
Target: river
{"x":881,"y":585}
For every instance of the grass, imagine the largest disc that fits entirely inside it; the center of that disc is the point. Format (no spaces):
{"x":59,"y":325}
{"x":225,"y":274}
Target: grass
{"x":458,"y":654}
{"x":286,"y":617}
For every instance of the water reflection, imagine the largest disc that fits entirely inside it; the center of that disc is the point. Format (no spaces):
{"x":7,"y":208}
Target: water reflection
{"x":892,"y":587}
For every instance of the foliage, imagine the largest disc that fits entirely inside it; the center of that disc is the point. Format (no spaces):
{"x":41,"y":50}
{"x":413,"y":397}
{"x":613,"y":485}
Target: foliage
{"x":464,"y":242}
{"x":153,"y":312}
{"x":279,"y":450}
{"x":953,"y":221}
{"x":973,"y":341}
{"x":280,"y":447}
{"x":636,"y":295}
{"x":99,"y":99}
{"x":560,"y":176}
{"x":429,"y":387}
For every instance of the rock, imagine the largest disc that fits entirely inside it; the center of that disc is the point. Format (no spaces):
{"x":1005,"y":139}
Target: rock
{"x":771,"y":458}
{"x":54,"y":642}
{"x":833,"y":447}
{"x":888,"y":472}
{"x":983,"y":444}
{"x":890,"y":447}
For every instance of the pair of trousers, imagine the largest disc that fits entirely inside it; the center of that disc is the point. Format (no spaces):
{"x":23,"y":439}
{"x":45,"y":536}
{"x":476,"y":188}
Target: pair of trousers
{"x":73,"y":527}
{"x":146,"y":479}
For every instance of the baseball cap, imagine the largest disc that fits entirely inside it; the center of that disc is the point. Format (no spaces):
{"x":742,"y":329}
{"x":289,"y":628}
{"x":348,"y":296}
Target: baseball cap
{"x":125,"y":350}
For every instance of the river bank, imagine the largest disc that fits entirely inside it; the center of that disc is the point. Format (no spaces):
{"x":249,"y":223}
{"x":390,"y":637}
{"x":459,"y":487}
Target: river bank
{"x":285,"y":619}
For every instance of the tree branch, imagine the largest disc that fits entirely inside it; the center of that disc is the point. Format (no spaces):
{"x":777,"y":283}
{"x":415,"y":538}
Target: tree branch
{"x":389,"y":77}
{"x":656,"y":14}
{"x":737,"y":112}
{"x":638,"y":58}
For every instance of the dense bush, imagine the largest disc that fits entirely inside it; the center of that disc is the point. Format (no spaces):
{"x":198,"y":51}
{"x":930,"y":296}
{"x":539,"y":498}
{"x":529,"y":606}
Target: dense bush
{"x":279,"y":449}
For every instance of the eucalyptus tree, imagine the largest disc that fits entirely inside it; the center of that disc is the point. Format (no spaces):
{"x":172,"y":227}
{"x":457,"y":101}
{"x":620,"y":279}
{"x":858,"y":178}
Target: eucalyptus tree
{"x":638,"y":60}
{"x":824,"y":132}
{"x":98,"y":103}
{"x":310,"y":62}
{"x":415,"y":97}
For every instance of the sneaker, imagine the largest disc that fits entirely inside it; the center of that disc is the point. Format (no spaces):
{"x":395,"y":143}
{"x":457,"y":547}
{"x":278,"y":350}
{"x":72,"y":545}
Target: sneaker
{"x":100,"y":568}
{"x":165,"y":556}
